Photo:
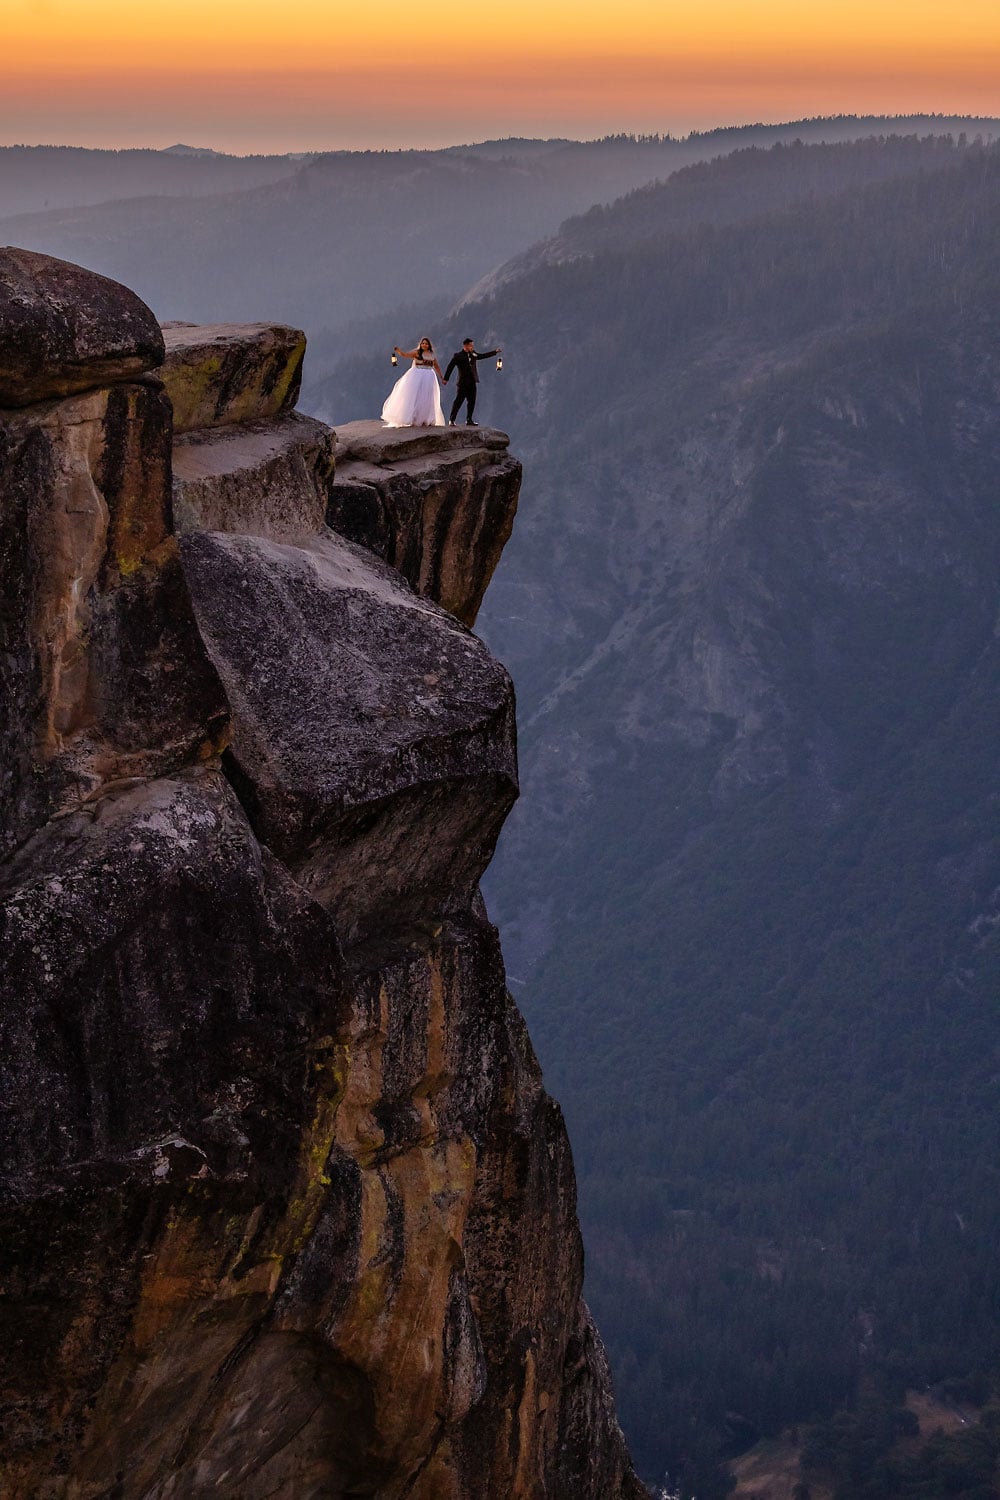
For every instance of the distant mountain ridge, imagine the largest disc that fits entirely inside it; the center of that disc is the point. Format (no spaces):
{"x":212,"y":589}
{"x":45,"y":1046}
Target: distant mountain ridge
{"x":35,"y":179}
{"x":355,"y":233}
{"x":182,"y":150}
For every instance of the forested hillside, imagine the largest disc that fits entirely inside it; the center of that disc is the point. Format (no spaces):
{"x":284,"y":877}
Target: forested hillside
{"x":341,"y":236}
{"x":745,"y":183}
{"x":750,"y":896}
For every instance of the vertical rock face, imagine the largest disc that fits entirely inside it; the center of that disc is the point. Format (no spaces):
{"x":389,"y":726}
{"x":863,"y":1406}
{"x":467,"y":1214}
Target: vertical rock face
{"x":286,"y":1211}
{"x":102,"y":673}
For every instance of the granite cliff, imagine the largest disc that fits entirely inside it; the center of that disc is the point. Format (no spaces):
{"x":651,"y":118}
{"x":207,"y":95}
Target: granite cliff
{"x":286,"y":1211}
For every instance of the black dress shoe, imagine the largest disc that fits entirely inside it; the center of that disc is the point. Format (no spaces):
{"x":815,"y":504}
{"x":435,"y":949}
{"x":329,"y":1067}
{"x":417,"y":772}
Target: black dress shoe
{"x":470,"y":423}
{"x":451,"y":424}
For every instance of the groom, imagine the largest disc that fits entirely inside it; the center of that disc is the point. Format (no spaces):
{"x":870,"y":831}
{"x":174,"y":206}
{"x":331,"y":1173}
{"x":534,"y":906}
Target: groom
{"x":468,"y":378}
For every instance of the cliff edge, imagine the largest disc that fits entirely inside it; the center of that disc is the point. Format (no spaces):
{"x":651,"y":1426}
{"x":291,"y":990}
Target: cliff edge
{"x":286,"y":1212}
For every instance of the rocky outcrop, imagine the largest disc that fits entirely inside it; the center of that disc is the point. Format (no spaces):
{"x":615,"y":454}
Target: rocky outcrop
{"x":216,"y":374}
{"x":438,"y":505}
{"x":373,"y":737}
{"x":269,"y":477}
{"x":285,"y":1209}
{"x":68,"y":330}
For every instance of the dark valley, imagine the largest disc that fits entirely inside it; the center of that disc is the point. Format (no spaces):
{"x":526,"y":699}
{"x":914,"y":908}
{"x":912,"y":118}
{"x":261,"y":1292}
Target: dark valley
{"x":750,"y":897}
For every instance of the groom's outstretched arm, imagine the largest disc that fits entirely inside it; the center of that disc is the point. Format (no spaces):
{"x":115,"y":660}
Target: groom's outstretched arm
{"x":485,"y":353}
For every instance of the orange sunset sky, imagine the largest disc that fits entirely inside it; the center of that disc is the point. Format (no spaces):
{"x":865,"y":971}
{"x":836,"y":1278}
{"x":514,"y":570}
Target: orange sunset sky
{"x":254,"y":75}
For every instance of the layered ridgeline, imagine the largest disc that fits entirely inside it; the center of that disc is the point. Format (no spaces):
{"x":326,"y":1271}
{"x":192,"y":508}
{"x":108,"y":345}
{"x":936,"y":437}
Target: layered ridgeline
{"x":286,"y":1212}
{"x":340,"y":236}
{"x":751,"y":612}
{"x":50,"y":179}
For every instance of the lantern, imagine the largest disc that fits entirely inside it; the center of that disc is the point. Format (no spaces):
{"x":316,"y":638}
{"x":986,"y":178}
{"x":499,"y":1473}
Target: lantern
{"x":394,"y":358}
{"x":499,"y":361}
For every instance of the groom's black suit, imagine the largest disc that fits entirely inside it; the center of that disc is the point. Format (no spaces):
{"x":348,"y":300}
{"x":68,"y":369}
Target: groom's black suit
{"x":468,"y":378}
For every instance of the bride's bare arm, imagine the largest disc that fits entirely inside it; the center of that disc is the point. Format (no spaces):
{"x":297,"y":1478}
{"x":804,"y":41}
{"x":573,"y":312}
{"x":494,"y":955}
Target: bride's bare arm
{"x":408,"y":353}
{"x":439,"y":375}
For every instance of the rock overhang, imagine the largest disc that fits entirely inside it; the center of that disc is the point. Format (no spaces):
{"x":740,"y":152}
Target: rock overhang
{"x":437,"y":503}
{"x":370,"y":730}
{"x":374,"y":442}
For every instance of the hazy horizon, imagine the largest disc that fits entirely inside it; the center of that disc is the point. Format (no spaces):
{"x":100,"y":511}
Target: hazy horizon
{"x":242,"y":77}
{"x":679,"y":132}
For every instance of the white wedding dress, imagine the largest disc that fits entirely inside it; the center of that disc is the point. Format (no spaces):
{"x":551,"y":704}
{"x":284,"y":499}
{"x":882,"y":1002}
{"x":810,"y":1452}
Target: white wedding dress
{"x":414,"y":400}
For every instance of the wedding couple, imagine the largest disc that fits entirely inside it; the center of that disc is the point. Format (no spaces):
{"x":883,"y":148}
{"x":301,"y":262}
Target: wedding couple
{"x":414,"y":400}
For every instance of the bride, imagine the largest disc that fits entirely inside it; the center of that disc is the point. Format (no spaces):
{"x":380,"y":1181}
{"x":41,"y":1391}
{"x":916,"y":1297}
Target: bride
{"x":414,"y":400}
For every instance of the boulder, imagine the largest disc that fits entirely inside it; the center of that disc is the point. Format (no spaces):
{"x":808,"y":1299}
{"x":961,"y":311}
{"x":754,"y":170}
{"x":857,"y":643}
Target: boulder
{"x":437,"y":503}
{"x":219,"y":373}
{"x":373,"y":736}
{"x":269,"y":477}
{"x":64,"y":329}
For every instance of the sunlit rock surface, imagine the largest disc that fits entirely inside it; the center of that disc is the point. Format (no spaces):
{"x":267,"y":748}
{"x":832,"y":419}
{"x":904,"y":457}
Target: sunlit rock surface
{"x":286,"y":1213}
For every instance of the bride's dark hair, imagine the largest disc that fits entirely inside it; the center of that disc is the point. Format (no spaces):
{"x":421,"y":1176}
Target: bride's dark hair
{"x":426,"y":340}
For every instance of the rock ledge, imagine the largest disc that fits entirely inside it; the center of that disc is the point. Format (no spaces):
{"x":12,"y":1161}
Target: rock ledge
{"x":219,"y":373}
{"x":437,"y":503}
